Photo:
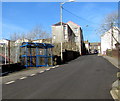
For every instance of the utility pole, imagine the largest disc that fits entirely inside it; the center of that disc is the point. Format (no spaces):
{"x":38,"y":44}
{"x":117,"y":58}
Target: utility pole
{"x":61,"y":30}
{"x":5,"y":53}
{"x":61,"y":8}
{"x":111,"y":35}
{"x":9,"y":50}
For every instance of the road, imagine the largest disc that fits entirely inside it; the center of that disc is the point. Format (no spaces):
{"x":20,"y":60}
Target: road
{"x":87,"y":77}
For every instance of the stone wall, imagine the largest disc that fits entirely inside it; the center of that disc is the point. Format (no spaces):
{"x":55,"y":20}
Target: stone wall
{"x":69,"y":46}
{"x":114,"y":53}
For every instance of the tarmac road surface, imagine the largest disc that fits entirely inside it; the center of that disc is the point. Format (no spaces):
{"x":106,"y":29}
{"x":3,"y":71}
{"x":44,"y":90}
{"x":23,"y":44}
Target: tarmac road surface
{"x":87,"y":77}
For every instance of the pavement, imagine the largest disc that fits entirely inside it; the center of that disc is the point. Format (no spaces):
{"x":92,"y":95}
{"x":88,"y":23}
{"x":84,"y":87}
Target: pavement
{"x":24,"y":73}
{"x":115,"y":91}
{"x":114,"y":61}
{"x":87,"y":77}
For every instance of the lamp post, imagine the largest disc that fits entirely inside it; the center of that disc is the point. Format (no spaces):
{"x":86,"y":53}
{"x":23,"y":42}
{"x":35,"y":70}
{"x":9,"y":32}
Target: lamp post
{"x":61,"y":4}
{"x":9,"y":51}
{"x":5,"y":54}
{"x":61,"y":8}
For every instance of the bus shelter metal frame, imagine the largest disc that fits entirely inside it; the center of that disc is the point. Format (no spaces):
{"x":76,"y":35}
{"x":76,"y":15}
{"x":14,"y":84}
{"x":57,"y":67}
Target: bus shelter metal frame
{"x":37,"y":46}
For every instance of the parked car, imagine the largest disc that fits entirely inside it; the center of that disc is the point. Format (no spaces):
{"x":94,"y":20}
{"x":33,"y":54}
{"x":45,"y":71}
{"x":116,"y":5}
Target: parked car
{"x":95,"y":51}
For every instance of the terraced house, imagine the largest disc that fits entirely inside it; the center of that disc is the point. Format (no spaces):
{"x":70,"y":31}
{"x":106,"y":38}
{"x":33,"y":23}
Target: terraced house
{"x":68,"y":32}
{"x":109,"y":39}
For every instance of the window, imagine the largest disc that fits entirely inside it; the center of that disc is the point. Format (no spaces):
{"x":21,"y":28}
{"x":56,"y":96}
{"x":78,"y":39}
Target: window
{"x":65,"y":37}
{"x":54,"y":37}
{"x":76,"y":30}
{"x":76,"y":39}
{"x":65,"y":27}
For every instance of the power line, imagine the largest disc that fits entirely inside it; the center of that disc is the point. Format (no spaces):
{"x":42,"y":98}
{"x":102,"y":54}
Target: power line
{"x":78,"y":16}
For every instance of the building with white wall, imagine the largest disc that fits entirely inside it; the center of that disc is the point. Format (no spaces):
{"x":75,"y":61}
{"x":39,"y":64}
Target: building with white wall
{"x":38,"y":41}
{"x":109,"y":39}
{"x":20,"y":41}
{"x":77,"y":30}
{"x":62,"y":33}
{"x":68,"y":32}
{"x":4,"y":41}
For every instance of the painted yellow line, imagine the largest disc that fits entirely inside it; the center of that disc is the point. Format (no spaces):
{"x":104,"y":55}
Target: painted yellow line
{"x":9,"y":82}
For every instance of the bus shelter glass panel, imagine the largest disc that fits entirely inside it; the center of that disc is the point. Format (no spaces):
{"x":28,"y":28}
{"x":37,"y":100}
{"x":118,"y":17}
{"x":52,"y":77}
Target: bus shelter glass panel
{"x":41,"y":60}
{"x":41,"y":51}
{"x":28,"y":60}
{"x":33,"y":51}
{"x":28,"y":51}
{"x":33,"y":61}
{"x":50,"y":58}
{"x":23,"y":51}
{"x":36,"y":54}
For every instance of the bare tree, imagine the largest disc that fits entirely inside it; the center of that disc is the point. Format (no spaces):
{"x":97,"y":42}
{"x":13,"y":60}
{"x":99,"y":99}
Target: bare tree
{"x":14,"y":36}
{"x":110,"y":22}
{"x":37,"y":33}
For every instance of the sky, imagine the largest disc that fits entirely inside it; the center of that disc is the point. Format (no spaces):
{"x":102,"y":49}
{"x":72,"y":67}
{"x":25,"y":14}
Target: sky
{"x":22,"y":17}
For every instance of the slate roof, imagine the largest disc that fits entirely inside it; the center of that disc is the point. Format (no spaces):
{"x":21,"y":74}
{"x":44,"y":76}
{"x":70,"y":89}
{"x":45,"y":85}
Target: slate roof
{"x":59,"y":23}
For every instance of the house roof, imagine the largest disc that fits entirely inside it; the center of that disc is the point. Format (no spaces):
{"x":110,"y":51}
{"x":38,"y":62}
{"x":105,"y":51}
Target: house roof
{"x":86,"y":41}
{"x":40,"y":45}
{"x":37,"y":39}
{"x":59,"y":23}
{"x":95,"y":43}
{"x":74,"y":23}
{"x":99,"y":44}
{"x":114,"y":28}
{"x":43,"y":39}
{"x":5,"y":39}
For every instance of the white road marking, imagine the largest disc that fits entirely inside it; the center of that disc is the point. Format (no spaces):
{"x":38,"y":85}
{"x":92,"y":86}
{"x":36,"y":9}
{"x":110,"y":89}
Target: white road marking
{"x":53,"y":67}
{"x":32,"y":74}
{"x":9,"y":82}
{"x":48,"y":69}
{"x":41,"y":71}
{"x":117,"y":91}
{"x":23,"y":78}
{"x":57,"y":66}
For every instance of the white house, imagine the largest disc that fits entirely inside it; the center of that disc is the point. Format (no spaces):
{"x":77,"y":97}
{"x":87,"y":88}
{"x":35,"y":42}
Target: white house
{"x":4,"y":41}
{"x":38,"y":41}
{"x":19,"y":41}
{"x":108,"y":41}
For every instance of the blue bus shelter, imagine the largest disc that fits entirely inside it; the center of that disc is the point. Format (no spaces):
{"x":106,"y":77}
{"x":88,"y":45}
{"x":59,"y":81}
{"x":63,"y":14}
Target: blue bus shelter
{"x":36,"y":54}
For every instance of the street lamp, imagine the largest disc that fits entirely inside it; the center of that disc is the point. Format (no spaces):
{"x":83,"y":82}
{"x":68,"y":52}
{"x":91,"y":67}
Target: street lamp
{"x":61,"y":7}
